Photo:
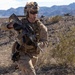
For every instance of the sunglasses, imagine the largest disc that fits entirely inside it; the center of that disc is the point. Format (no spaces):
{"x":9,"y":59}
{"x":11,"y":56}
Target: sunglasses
{"x":33,"y":12}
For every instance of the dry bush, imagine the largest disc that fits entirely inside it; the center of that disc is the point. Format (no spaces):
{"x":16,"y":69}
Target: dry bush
{"x":65,"y":49}
{"x":62,"y":52}
{"x":55,"y":19}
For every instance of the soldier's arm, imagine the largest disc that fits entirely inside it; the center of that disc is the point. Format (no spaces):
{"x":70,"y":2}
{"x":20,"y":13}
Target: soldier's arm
{"x":43,"y":35}
{"x":6,"y":26}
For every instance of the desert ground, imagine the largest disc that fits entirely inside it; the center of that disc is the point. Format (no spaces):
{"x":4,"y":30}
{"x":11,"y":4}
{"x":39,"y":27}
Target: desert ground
{"x":7,"y":67}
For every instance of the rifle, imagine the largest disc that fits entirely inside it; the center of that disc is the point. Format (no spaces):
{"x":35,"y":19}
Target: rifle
{"x":27,"y":31}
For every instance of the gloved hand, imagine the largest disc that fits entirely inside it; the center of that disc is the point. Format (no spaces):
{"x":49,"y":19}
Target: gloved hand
{"x":10,"y":25}
{"x":41,"y":44}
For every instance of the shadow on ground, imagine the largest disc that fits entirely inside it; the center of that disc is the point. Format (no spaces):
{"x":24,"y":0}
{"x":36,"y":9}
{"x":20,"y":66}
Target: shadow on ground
{"x":50,"y":70}
{"x":57,"y":70}
{"x":8,"y":69}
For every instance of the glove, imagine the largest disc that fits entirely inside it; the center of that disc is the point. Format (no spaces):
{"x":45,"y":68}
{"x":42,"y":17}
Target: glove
{"x":41,"y":44}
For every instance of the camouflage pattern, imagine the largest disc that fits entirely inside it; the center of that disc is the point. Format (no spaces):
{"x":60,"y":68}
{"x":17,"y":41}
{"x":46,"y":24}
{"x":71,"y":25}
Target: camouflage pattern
{"x":27,"y":61}
{"x":28,"y":54}
{"x":31,"y":6}
{"x":41,"y":32}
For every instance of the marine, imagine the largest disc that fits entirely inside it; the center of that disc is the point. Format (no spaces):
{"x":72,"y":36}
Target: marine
{"x":23,"y":52}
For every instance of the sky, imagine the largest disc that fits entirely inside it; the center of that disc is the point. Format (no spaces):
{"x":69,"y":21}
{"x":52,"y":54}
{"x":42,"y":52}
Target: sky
{"x":7,"y":4}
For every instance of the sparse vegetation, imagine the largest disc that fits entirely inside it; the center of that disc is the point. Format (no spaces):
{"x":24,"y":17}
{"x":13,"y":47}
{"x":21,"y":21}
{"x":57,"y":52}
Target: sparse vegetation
{"x":56,"y":59}
{"x":55,"y":19}
{"x":64,"y":51}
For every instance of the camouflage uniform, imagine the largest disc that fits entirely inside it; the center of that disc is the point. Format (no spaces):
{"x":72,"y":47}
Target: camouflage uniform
{"x":28,"y":54}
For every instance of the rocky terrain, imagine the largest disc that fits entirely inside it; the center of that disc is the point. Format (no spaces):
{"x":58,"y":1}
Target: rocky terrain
{"x":7,"y":67}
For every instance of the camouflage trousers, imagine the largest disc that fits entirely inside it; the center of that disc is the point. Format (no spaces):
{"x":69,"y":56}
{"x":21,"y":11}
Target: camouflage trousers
{"x":26,"y":65}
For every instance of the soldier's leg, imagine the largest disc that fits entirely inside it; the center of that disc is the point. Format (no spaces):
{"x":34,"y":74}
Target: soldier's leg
{"x":26,"y":66}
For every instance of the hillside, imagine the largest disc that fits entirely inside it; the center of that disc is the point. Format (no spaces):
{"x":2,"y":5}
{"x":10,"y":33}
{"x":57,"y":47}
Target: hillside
{"x":49,"y":62}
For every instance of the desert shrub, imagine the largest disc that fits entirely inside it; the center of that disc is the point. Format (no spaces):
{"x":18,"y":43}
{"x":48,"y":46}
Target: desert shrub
{"x":62,"y":52}
{"x":55,"y":19}
{"x":65,"y":49}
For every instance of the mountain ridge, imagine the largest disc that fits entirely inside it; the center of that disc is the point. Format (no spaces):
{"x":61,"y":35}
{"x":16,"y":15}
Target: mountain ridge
{"x":46,"y":11}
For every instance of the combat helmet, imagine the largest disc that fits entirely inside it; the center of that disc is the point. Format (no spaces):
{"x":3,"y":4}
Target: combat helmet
{"x":31,"y":6}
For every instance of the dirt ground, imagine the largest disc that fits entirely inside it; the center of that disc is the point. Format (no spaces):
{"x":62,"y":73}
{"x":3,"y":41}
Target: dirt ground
{"x":7,"y":67}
